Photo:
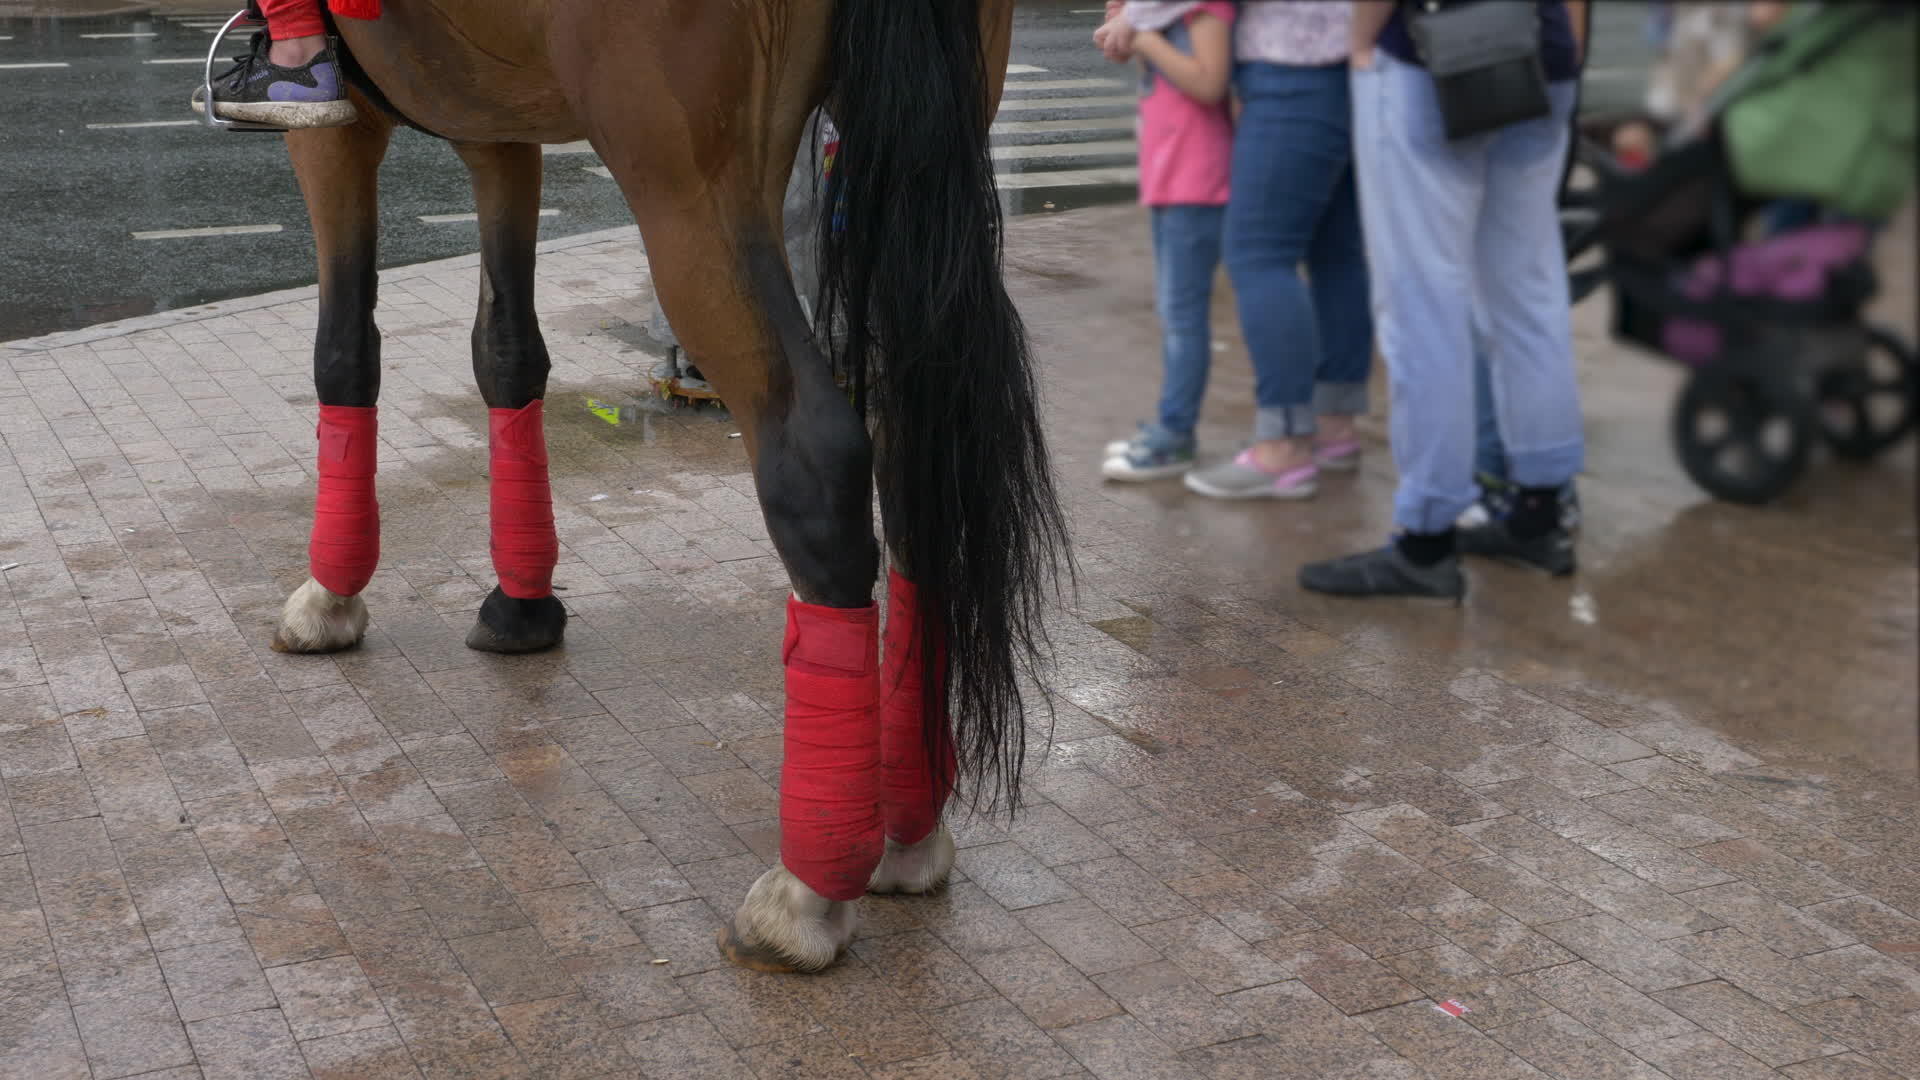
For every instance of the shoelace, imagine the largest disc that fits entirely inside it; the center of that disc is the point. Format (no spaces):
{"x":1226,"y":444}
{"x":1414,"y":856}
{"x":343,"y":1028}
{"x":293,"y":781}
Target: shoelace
{"x":241,"y":73}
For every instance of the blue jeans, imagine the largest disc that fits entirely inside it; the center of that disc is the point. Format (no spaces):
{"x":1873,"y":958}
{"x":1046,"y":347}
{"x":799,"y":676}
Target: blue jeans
{"x":1454,"y":228}
{"x":1186,"y":252}
{"x":1294,"y":203}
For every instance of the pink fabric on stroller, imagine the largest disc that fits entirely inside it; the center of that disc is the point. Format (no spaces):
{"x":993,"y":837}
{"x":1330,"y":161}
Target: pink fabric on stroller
{"x":1793,"y":267}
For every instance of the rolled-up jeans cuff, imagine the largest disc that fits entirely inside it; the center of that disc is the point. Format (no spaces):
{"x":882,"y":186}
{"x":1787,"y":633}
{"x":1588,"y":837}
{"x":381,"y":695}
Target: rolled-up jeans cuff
{"x":1283,"y":422}
{"x":1340,"y":398}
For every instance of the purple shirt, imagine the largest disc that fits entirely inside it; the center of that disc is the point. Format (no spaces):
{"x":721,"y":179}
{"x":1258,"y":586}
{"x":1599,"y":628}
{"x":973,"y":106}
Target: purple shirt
{"x":1297,"y":33}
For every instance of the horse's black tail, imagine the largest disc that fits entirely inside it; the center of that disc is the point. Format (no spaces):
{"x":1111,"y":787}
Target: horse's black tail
{"x":921,"y":324}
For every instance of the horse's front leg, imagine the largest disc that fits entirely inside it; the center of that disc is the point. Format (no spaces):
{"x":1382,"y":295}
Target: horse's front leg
{"x":510,"y":363}
{"x":338,"y":169}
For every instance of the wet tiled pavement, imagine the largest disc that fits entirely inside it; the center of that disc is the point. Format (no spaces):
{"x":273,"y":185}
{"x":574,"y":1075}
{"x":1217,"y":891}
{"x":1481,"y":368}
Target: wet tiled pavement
{"x":1657,"y":821}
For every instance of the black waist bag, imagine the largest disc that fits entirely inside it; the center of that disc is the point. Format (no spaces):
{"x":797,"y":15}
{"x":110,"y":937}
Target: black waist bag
{"x":1484,"y":58}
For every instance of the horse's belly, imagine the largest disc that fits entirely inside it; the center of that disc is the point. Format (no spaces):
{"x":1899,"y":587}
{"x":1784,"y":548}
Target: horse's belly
{"x":486,"y":79}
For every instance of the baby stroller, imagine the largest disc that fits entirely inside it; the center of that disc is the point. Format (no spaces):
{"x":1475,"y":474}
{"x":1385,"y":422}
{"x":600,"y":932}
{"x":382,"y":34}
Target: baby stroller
{"x":1770,"y":326}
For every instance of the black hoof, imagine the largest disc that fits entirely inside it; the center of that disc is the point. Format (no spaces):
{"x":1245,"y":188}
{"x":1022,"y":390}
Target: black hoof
{"x":507,"y":625}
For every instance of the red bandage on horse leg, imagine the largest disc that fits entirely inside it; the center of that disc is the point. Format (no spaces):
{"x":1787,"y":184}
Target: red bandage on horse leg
{"x":292,"y":18}
{"x":345,"y":546}
{"x":524,"y":544}
{"x":830,"y":781}
{"x":912,"y":793}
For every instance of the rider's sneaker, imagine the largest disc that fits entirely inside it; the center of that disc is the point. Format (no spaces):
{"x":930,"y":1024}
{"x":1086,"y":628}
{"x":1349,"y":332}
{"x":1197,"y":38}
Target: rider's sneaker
{"x":257,"y":91}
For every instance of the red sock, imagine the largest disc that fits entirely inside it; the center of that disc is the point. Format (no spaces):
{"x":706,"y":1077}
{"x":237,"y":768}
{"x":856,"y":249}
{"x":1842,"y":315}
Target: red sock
{"x":830,"y":781}
{"x":525,"y":546}
{"x":345,"y":544}
{"x":911,"y":794}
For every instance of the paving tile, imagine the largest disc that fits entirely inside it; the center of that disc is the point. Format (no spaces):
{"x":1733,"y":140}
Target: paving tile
{"x":1623,"y":952}
{"x":627,"y":985}
{"x":997,"y":1041}
{"x":215,"y":979}
{"x":1784,"y":929}
{"x":1746,"y":963}
{"x":1604,"y":1003}
{"x":681,"y":934}
{"x":1638,"y":903}
{"x":509,"y":966}
{"x":468,"y":902}
{"x":564,"y":1038}
{"x":1417,"y":836}
{"x":1700,"y":1056}
{"x":1773,"y":873}
{"x":1248,"y":908}
{"x":635,"y":875}
{"x":366,"y":1054}
{"x":1176,"y":1009}
{"x":1874,"y":923}
{"x":1450,"y":973}
{"x":527,"y":859}
{"x":1501,"y":941}
{"x":1533,"y":848}
{"x":1443,"y":1045}
{"x":1514,"y":890}
{"x":1838,"y":1067}
{"x":1889,"y":1039}
{"x":749,"y":1011}
{"x":326,"y":997}
{"x":1046,"y":988}
{"x":1089,"y":938}
{"x":1339,"y":972}
{"x":1012,"y":876}
{"x":175,"y":889}
{"x":577,"y":919}
{"x":247,"y":1045}
{"x":1126,"y":892}
{"x":1312,"y":1037}
{"x":1561,"y":1046}
{"x":1870,"y":975}
{"x":1770,"y":1035}
{"x":133,"y":1034}
{"x":687,"y":1045}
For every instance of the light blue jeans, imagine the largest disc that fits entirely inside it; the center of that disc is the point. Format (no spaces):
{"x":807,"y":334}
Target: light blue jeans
{"x":1453,"y":228}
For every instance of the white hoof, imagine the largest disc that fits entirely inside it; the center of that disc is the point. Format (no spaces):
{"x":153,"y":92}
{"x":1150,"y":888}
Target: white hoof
{"x":915,"y":868}
{"x":315,"y":620}
{"x":785,"y":926}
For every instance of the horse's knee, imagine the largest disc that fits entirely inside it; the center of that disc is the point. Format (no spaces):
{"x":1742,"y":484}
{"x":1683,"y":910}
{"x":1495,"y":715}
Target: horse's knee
{"x":815,"y":477}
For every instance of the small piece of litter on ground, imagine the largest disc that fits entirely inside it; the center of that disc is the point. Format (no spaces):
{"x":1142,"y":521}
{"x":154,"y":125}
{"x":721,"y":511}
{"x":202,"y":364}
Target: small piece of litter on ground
{"x":662,"y":960}
{"x":8,"y":566}
{"x":1048,"y":205}
{"x":596,"y":498}
{"x":1452,"y":1007}
{"x":735,"y":435}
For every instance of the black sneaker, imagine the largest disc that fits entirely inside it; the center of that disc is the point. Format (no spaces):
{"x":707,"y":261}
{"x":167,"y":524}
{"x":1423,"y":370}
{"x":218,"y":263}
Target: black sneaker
{"x":1385,"y":572}
{"x":1552,"y":552}
{"x":257,"y":91}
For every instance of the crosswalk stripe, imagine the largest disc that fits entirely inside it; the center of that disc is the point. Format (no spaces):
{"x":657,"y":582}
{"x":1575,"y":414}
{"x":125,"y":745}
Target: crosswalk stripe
{"x":143,"y":124}
{"x":1063,"y":150}
{"x":1034,"y":104}
{"x":1069,"y":178}
{"x":209,"y":230}
{"x":1036,"y":127}
{"x":1061,"y":84}
{"x":129,"y":34}
{"x":179,"y":60}
{"x":1025,"y":69}
{"x":449,"y":219}
{"x":22,"y":67}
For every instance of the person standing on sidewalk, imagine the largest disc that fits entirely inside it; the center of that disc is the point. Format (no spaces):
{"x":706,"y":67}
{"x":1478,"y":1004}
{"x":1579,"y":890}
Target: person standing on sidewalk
{"x":1473,"y":219}
{"x":1294,"y":206}
{"x":1186,"y":154}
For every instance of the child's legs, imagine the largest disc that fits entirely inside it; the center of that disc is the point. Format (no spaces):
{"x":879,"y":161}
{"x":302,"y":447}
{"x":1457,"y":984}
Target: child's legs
{"x":1186,"y":252}
{"x":287,"y":19}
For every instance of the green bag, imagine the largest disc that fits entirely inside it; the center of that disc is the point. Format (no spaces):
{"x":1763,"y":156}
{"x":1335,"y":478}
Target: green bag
{"x":1826,"y":110}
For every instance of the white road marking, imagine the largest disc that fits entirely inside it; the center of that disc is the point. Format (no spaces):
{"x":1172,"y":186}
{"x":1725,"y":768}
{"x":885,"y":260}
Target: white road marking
{"x":20,"y":67}
{"x":143,"y":124}
{"x":580,"y":146}
{"x":1070,"y":178}
{"x":1063,"y":150}
{"x":600,"y":171}
{"x":1063,"y":84}
{"x":1033,"y":104}
{"x":1035,"y":127}
{"x":1025,"y":69}
{"x":448,"y":219}
{"x":128,"y":34}
{"x":209,"y":230}
{"x":178,"y":60}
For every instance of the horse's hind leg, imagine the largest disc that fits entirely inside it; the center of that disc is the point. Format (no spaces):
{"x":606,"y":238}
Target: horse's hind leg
{"x":510,"y":363}
{"x":338,"y":170}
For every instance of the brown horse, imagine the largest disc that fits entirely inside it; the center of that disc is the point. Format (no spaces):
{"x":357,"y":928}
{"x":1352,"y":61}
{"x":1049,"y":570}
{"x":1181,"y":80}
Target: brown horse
{"x":697,"y":107}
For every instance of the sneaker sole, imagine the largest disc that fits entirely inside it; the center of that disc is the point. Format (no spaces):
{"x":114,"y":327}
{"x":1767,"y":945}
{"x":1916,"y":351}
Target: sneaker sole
{"x":1118,"y":469}
{"x":1201,"y":487}
{"x":292,"y":115}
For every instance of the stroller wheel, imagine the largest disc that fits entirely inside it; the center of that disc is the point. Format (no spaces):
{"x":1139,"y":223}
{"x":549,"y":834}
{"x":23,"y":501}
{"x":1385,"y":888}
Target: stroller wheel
{"x":1741,"y":436}
{"x":1868,"y":406}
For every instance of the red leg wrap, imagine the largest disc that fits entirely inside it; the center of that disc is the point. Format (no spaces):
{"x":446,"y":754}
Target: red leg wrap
{"x":830,"y":781}
{"x":912,"y":794}
{"x":345,"y":546}
{"x":292,"y":18}
{"x":525,"y":546}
